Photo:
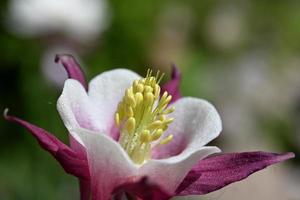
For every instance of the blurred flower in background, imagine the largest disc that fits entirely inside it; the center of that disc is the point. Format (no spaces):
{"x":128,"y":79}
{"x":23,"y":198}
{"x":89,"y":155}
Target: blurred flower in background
{"x":226,"y":26}
{"x":170,"y":41}
{"x":76,"y":19}
{"x":68,"y":26}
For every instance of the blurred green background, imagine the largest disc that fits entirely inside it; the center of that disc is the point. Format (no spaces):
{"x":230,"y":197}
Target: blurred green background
{"x":243,"y":56}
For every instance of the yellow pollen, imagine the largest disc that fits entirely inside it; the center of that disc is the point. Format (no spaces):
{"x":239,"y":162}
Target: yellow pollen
{"x":145,"y":136}
{"x":169,"y":121}
{"x":156,"y":135}
{"x":170,"y":110}
{"x":155,"y":125}
{"x":117,"y":119}
{"x":130,"y":125}
{"x":166,"y":140}
{"x":138,"y":97}
{"x":142,"y":118}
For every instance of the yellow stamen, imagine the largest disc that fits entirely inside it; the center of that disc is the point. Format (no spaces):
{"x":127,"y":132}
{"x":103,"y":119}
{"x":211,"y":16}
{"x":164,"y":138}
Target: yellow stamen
{"x":117,"y":119}
{"x":130,"y":125}
{"x":157,"y":134}
{"x":139,"y":87}
{"x":155,"y":125}
{"x":170,"y":110}
{"x":149,"y":97}
{"x":138,"y":97}
{"x":166,"y":140}
{"x":142,"y":118}
{"x":168,"y":121}
{"x":145,"y":136}
{"x":129,"y":111}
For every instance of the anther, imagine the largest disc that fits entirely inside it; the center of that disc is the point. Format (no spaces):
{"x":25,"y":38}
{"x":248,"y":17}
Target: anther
{"x":168,"y":121}
{"x":166,"y":140}
{"x":117,"y":119}
{"x":155,"y":125}
{"x":130,"y":125}
{"x":168,"y":99}
{"x":162,"y":118}
{"x":164,"y":96}
{"x":156,"y":91}
{"x":139,"y":87}
{"x":129,"y":92}
{"x":152,"y":81}
{"x":149,"y":97}
{"x":131,"y":101}
{"x":157,"y":134}
{"x":168,"y":111}
{"x":129,"y":111}
{"x":135,"y":83}
{"x":148,"y":89}
{"x":138,"y":97}
{"x":145,"y":136}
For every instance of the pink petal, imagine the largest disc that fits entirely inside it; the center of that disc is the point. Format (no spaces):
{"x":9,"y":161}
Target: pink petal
{"x":196,"y":123}
{"x":169,"y":173}
{"x":77,"y":110}
{"x":109,"y":164}
{"x":72,"y":67}
{"x":85,"y":189}
{"x":95,"y":110}
{"x":75,"y":72}
{"x":71,"y":162}
{"x":216,"y":172}
{"x":172,"y":87}
{"x":84,"y":185}
{"x":143,"y":189}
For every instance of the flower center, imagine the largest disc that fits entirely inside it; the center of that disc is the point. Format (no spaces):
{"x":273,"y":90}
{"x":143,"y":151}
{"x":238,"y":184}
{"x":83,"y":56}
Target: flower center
{"x":141,"y":117}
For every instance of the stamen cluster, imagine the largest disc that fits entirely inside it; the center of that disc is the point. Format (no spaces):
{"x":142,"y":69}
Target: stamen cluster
{"x":141,"y":117}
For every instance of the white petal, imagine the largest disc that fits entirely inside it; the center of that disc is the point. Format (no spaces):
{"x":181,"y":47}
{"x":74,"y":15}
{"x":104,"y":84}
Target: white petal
{"x":77,"y":110}
{"x":109,"y":164}
{"x":107,"y":89}
{"x":196,"y":123}
{"x":169,"y":173}
{"x":95,"y":110}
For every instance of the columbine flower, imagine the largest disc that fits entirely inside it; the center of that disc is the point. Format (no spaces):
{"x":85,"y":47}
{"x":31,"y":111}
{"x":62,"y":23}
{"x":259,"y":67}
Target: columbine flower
{"x":128,"y":138}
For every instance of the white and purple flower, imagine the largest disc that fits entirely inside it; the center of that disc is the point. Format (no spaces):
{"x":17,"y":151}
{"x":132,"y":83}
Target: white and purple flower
{"x":128,"y":136}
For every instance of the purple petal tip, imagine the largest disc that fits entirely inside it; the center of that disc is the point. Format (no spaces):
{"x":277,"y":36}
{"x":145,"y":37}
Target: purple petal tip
{"x":72,"y":67}
{"x":288,"y":155}
{"x":172,"y":86}
{"x":62,"y":57}
{"x":175,"y":71}
{"x":216,"y":172}
{"x":70,"y":160}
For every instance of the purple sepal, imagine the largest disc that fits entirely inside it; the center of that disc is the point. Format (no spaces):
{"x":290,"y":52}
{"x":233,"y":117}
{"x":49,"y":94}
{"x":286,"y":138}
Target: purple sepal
{"x":143,"y":190}
{"x":72,"y":67}
{"x":71,"y":162}
{"x":85,"y":189}
{"x":216,"y":172}
{"x":172,"y":87}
